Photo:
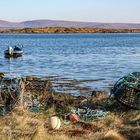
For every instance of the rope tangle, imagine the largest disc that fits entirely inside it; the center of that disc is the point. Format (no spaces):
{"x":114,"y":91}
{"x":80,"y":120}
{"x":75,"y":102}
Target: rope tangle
{"x":10,"y":89}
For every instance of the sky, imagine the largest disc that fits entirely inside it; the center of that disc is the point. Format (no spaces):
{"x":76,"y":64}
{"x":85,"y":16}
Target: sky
{"x":114,"y":11}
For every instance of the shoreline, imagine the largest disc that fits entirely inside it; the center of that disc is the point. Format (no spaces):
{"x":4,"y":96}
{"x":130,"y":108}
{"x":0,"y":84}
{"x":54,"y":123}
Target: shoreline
{"x":120,"y":122}
{"x":74,"y":87}
{"x":66,"y":30}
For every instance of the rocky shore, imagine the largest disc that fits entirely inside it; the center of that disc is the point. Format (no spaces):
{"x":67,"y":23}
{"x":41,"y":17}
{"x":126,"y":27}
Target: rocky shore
{"x":50,"y":30}
{"x":121,"y":123}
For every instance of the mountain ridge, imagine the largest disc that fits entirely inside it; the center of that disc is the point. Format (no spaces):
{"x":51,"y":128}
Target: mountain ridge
{"x":62,"y":23}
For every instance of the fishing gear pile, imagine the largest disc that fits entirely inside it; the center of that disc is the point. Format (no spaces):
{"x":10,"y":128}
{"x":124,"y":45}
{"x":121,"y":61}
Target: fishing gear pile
{"x":87,"y":114}
{"x":127,"y":90}
{"x":10,"y":88}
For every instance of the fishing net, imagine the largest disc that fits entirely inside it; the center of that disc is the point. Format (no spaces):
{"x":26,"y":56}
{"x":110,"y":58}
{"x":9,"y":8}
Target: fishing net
{"x":10,"y":87}
{"x":127,"y":90}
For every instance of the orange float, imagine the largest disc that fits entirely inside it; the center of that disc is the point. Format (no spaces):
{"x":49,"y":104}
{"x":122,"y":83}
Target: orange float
{"x":74,"y":118}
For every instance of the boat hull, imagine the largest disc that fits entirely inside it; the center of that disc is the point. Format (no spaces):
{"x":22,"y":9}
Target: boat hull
{"x":15,"y":54}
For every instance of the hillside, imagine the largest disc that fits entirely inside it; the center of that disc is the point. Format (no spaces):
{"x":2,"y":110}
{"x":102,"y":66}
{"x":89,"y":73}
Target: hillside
{"x":61,"y":23}
{"x":68,"y":30}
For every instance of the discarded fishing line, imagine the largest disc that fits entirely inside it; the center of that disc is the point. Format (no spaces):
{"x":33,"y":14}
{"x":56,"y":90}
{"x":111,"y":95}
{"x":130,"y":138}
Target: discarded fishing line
{"x":10,"y":89}
{"x":127,"y":90}
{"x":91,"y":114}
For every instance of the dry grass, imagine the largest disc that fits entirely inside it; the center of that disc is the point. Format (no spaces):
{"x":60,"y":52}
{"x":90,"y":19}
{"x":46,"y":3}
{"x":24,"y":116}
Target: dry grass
{"x":113,"y":135}
{"x":120,"y":124}
{"x":28,"y":125}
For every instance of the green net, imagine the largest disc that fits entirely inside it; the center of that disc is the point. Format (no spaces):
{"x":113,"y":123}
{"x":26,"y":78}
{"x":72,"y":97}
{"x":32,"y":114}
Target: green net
{"x":9,"y":92}
{"x":127,"y":90}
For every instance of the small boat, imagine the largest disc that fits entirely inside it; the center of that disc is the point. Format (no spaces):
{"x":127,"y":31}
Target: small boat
{"x":13,"y":52}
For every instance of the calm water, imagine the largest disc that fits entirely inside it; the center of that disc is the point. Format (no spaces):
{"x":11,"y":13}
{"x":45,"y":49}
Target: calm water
{"x":74,"y":56}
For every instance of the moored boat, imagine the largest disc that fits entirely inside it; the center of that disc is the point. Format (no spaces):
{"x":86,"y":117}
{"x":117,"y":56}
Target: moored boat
{"x":13,"y":52}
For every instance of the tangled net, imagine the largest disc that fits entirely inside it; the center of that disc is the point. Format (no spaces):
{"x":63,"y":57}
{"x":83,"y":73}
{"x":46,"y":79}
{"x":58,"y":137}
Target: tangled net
{"x":9,"y":92}
{"x":127,"y":90}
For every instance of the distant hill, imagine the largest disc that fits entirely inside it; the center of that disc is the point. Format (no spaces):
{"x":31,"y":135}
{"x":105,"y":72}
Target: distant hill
{"x":60,"y":30}
{"x":59,"y":23}
{"x":7,"y":24}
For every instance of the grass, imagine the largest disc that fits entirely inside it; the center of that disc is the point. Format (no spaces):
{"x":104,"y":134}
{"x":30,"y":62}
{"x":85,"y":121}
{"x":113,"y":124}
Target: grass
{"x":121,"y":123}
{"x":29,"y":125}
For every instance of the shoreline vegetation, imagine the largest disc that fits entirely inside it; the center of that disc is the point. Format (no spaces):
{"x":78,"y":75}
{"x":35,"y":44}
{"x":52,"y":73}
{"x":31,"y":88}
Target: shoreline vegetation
{"x":59,"y":30}
{"x":120,"y":124}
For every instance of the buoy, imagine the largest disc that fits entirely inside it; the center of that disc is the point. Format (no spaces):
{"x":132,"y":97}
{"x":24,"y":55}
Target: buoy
{"x":54,"y":123}
{"x":74,"y":118}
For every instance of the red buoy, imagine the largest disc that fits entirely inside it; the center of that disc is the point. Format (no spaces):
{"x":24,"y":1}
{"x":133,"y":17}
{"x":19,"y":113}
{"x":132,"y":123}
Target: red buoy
{"x":74,"y":118}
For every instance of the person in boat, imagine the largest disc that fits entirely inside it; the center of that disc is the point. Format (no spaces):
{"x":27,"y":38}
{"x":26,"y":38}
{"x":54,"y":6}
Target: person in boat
{"x":10,"y":50}
{"x":17,"y":48}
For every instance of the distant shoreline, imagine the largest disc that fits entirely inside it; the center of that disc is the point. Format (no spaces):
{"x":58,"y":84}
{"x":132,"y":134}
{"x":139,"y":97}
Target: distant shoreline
{"x":61,"y":30}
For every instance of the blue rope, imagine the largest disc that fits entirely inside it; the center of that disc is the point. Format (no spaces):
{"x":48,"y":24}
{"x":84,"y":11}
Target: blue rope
{"x":89,"y":114}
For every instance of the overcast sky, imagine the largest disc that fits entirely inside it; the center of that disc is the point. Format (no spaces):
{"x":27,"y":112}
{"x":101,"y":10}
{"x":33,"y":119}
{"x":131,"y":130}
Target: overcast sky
{"x":124,"y":11}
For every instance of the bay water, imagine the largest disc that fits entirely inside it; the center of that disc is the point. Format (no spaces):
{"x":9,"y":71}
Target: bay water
{"x":95,"y":60}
